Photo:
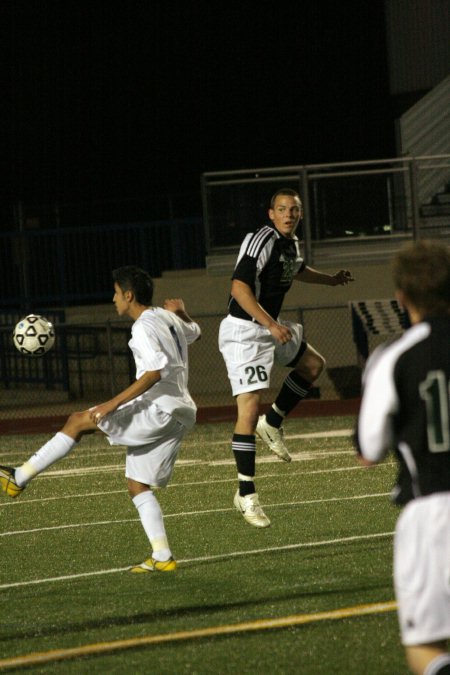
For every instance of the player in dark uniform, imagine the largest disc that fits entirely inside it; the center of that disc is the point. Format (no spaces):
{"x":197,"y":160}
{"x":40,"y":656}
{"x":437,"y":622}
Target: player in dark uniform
{"x":405,"y":407}
{"x":252,"y":339}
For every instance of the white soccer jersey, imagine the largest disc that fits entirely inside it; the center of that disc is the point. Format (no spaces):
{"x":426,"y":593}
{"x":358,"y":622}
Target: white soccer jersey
{"x":159,"y":340}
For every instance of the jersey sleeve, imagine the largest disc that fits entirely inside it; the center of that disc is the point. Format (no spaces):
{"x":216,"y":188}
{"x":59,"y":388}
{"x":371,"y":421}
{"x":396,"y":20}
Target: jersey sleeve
{"x":253,"y":255}
{"x":191,"y":331}
{"x":379,"y":403}
{"x":245,"y":270}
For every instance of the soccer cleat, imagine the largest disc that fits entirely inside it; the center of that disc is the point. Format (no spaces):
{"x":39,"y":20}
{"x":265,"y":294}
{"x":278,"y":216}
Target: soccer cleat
{"x":152,"y":565}
{"x":251,"y":509}
{"x":272,"y":437}
{"x":8,"y":481}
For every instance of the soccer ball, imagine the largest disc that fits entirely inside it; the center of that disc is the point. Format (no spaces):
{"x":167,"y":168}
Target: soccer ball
{"x":34,"y":335}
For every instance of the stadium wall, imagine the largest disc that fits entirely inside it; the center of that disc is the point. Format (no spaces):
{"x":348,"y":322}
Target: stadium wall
{"x":205,"y":294}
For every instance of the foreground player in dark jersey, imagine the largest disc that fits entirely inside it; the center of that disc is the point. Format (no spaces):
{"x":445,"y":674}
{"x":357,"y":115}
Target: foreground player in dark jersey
{"x":252,"y":339}
{"x":405,"y":407}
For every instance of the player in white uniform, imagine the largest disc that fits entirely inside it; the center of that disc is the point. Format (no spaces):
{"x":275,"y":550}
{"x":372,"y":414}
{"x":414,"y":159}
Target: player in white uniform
{"x":405,"y":408}
{"x":150,"y":416}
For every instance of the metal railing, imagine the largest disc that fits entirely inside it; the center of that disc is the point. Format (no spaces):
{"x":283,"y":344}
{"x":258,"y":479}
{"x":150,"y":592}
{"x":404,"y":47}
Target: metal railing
{"x":66,"y":266}
{"x":349,"y":200}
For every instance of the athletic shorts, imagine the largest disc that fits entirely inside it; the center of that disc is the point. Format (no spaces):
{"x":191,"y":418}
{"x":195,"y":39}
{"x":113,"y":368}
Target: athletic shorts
{"x":422,"y":569}
{"x":249,"y":351}
{"x":153,"y":438}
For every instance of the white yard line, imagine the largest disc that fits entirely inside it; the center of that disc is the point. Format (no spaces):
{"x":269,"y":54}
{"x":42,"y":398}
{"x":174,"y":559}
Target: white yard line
{"x":265,"y":459}
{"x":24,"y":502}
{"x":333,"y":433}
{"x":211,"y":558}
{"x":191,"y":442}
{"x":183,"y":514}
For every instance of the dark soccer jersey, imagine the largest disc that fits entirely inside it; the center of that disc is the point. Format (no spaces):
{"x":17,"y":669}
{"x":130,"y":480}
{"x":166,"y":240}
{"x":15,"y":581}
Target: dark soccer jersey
{"x":406,"y":406}
{"x":268,"y":263}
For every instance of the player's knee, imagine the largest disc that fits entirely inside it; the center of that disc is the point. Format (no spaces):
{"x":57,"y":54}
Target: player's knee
{"x":77,"y":422}
{"x":321,"y":363}
{"x":135,"y":488}
{"x":311,"y":368}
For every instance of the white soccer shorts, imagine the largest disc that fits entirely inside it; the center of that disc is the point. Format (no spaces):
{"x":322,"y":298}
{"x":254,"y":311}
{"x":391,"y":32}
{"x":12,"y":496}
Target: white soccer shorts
{"x":249,"y":351}
{"x":153,"y":438}
{"x":422,"y":569}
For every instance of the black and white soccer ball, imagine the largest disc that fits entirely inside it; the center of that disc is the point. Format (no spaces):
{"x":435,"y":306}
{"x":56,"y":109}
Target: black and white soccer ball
{"x":34,"y":335}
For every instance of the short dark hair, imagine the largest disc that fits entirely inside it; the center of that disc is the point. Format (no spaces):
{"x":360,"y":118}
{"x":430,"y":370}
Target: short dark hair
{"x":136,"y":280}
{"x":422,"y":271}
{"x":284,"y":191}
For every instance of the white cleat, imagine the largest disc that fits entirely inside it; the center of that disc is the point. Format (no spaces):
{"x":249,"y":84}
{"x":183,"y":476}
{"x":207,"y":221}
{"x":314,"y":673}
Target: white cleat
{"x":272,"y":437}
{"x":251,"y":509}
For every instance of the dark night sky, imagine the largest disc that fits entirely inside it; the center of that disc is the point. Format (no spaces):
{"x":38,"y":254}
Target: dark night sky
{"x":124,"y":99}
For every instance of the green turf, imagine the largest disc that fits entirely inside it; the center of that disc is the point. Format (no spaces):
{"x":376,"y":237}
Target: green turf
{"x":320,"y":554}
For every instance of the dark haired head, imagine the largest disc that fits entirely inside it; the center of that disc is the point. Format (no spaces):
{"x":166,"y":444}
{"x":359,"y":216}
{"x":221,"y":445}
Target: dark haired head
{"x":136,"y":280}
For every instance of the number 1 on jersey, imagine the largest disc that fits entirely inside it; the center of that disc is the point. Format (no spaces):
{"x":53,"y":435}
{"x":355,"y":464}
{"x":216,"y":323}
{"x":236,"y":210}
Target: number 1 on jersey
{"x":435,"y":392}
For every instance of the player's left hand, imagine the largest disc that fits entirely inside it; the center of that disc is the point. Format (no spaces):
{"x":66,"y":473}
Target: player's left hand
{"x":98,"y":412}
{"x":342,"y":278}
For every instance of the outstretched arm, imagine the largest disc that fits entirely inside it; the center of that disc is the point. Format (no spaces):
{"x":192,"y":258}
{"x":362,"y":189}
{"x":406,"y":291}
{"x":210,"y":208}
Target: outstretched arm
{"x":311,"y":276}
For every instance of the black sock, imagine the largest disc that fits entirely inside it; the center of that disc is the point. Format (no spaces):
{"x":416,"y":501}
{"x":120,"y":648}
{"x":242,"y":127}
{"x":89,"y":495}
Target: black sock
{"x":294,"y":388}
{"x":244,"y":449}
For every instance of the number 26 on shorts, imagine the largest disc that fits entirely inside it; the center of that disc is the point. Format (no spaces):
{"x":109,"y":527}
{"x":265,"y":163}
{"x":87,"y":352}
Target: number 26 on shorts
{"x":256,"y":374}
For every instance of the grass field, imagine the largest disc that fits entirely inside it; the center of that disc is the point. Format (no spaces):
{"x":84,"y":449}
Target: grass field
{"x":311,"y":594}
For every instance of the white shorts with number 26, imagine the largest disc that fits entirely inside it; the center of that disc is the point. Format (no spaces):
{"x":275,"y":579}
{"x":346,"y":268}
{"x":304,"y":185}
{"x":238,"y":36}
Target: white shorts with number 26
{"x":249,"y":351}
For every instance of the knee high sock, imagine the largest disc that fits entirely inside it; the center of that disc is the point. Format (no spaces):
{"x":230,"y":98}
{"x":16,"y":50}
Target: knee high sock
{"x":244,"y":449}
{"x":56,"y":448}
{"x":152,"y":521}
{"x":293,"y":390}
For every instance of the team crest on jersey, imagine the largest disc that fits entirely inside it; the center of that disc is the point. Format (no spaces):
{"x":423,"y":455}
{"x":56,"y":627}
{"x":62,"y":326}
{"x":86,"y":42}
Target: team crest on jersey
{"x":290,"y":267}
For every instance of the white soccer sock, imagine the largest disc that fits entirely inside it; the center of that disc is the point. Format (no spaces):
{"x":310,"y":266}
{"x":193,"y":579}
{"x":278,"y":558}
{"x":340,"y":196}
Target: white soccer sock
{"x":56,"y":448}
{"x":152,"y":521}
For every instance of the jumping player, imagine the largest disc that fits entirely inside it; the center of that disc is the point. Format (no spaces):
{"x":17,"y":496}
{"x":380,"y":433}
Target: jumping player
{"x":150,"y":416}
{"x":252,"y":338}
{"x":405,"y":408}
